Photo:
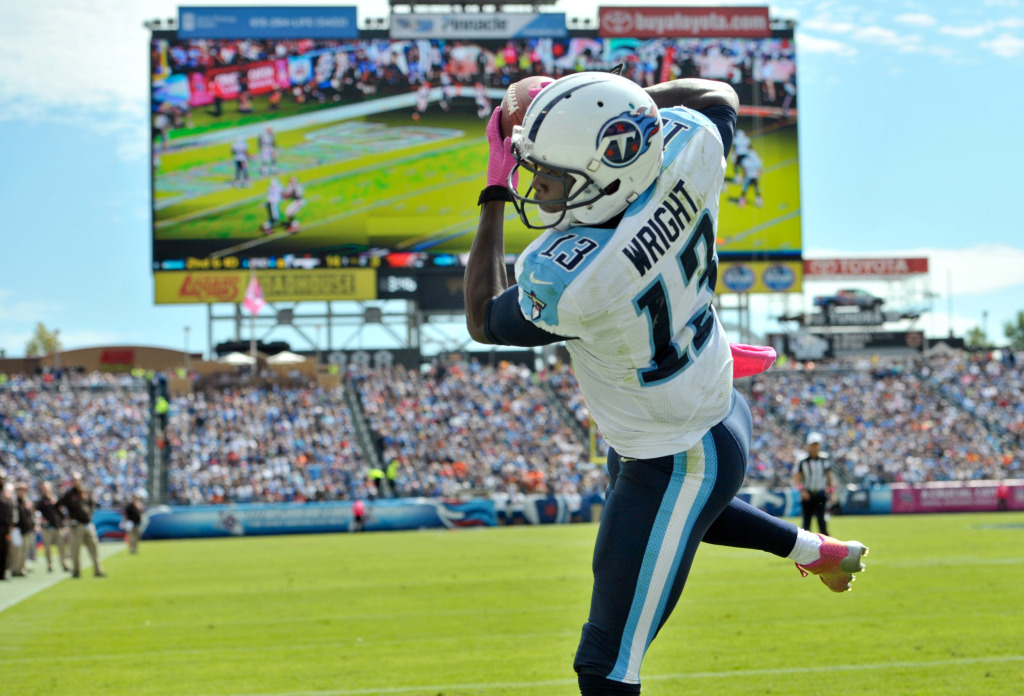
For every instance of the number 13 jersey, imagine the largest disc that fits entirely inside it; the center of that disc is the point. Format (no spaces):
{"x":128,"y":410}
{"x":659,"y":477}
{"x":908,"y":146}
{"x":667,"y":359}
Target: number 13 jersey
{"x":650,"y":355}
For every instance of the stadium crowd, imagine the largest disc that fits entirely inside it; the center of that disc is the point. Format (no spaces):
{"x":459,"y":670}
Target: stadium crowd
{"x":990,"y":388}
{"x":886,"y":423}
{"x":263,"y":443}
{"x":763,"y":71}
{"x":466,"y":427}
{"x":463,"y":428}
{"x":96,"y":424}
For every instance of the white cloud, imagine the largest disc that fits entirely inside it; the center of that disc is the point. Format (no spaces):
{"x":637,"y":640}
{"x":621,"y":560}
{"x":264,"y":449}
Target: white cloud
{"x":1005,"y":45}
{"x":829,"y":25}
{"x":884,"y":37}
{"x":814,"y":44}
{"x":13,"y":310}
{"x":965,"y":32}
{"x":918,"y":20}
{"x":77,"y":61}
{"x":942,"y":52}
{"x":977,"y":30}
{"x":976,"y":270}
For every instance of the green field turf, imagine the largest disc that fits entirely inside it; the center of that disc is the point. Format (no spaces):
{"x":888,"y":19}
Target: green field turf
{"x":498,"y":612}
{"x":388,"y":181}
{"x":776,"y":225}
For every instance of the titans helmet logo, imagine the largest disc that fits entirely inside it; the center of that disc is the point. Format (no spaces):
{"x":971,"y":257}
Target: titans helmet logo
{"x":627,"y":136}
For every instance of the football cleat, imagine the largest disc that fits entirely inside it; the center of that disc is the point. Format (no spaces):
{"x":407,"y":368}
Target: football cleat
{"x":838,"y":562}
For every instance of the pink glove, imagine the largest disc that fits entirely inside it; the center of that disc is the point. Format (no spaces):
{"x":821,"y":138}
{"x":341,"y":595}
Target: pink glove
{"x":750,"y":360}
{"x":501,"y":161}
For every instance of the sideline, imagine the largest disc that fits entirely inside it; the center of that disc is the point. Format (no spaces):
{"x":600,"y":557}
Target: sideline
{"x":17,"y":590}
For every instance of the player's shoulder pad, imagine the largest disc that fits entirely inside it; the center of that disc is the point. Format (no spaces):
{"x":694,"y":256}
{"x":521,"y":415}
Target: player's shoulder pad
{"x":684,"y":115}
{"x":543,"y":280}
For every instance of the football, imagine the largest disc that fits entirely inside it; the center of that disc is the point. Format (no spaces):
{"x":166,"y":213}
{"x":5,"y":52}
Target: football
{"x":516,"y":100}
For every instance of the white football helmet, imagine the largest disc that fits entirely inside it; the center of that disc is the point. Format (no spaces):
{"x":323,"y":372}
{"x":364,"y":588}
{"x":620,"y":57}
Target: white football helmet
{"x":604,"y":131}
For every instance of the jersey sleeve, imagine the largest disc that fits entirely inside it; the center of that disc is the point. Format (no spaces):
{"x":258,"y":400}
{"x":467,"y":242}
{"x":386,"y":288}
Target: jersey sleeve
{"x":724,"y":117}
{"x":505,"y":324}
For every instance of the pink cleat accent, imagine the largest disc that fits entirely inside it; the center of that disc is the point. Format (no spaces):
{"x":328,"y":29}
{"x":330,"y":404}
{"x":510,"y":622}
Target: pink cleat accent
{"x":838,"y":561}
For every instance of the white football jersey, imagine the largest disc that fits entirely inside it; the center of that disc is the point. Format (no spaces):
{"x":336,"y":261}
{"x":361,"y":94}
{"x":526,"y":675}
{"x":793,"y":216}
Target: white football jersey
{"x":240,"y":151}
{"x":274,"y":192}
{"x":752,"y":165}
{"x":652,"y":359}
{"x":740,"y":143}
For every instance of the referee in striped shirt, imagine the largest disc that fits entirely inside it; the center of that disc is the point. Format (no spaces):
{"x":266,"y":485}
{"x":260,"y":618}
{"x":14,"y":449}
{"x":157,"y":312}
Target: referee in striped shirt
{"x":813,"y":478}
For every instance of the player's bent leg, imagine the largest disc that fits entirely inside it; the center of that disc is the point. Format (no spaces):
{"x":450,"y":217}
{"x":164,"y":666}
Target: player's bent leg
{"x":743,"y":526}
{"x":654,"y":519}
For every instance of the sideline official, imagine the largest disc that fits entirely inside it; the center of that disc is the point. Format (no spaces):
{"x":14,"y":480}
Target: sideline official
{"x":6,"y":522}
{"x":813,"y":478}
{"x":53,"y":527}
{"x":80,"y":505}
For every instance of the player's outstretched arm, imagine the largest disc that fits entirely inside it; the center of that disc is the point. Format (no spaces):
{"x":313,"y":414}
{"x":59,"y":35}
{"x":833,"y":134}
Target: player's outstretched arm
{"x":485,"y":276}
{"x":694,"y":93}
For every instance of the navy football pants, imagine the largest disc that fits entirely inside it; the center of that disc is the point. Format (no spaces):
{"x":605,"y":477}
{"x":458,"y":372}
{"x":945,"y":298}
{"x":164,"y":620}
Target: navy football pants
{"x":656,"y":513}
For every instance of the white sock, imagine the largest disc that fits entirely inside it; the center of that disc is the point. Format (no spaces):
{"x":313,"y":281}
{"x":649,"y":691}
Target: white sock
{"x":807,"y":548}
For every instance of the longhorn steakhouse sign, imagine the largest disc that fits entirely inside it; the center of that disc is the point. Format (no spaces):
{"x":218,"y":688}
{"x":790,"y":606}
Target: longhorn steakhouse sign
{"x":203,"y":287}
{"x":682,"y":22}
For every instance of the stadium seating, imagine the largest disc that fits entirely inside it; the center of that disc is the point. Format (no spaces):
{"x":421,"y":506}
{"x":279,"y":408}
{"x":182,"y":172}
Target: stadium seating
{"x":469,"y":429}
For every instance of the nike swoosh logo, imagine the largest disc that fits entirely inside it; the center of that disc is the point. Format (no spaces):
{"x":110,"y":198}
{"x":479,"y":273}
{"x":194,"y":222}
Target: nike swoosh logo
{"x":534,"y":279}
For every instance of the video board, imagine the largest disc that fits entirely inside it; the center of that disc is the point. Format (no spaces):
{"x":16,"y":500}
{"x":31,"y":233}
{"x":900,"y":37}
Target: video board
{"x":303,"y":154}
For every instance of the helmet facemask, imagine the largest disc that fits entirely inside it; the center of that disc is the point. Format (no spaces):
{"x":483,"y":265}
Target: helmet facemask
{"x":578,"y":191}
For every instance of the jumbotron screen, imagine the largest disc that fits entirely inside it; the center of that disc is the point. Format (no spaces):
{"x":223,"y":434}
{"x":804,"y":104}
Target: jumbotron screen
{"x":323,"y":154}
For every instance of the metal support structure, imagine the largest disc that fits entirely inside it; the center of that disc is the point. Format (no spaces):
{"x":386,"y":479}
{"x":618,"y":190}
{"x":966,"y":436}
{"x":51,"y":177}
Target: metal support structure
{"x":391,"y":324}
{"x":740,"y":311}
{"x":366,"y":324}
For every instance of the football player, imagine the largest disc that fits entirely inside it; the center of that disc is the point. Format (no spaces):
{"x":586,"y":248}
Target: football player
{"x":274,"y":193}
{"x":483,"y":102}
{"x":422,"y":100}
{"x":625,"y":195}
{"x":447,"y":91}
{"x":240,"y":156}
{"x":740,"y":148}
{"x":268,"y":152}
{"x":752,"y":167}
{"x":294,"y":193}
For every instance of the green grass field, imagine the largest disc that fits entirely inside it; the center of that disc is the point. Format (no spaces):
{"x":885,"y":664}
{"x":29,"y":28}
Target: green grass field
{"x":498,"y":612}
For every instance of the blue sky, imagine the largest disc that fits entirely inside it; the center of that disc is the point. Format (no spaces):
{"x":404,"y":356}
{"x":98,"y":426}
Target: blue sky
{"x":910,"y":145}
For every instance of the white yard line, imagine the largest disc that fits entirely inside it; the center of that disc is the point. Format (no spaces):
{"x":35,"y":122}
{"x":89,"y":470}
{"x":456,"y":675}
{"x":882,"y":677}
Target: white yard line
{"x":727,"y":674}
{"x":17,"y":590}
